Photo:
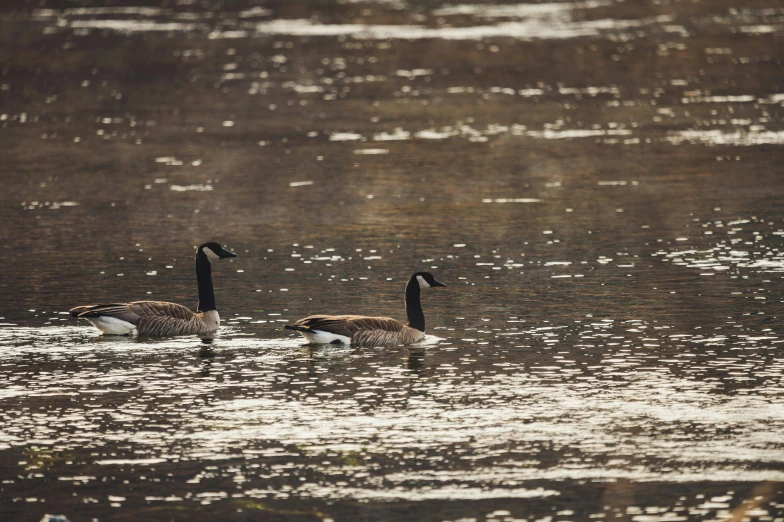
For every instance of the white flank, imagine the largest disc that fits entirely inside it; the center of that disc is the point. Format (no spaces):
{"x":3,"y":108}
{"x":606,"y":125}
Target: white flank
{"x":112,"y":325}
{"x":320,"y":337}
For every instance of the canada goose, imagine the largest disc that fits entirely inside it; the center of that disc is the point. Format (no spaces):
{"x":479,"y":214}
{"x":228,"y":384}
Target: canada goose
{"x":160,"y":318}
{"x":360,"y":330}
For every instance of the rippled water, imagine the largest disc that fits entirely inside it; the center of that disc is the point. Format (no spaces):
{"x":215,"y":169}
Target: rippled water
{"x":597,"y":182}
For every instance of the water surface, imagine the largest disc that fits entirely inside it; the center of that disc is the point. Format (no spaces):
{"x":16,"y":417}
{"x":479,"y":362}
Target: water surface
{"x":598,"y":183}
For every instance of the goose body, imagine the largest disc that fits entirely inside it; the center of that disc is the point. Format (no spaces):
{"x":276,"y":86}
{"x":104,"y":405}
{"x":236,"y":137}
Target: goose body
{"x":160,"y":318}
{"x":359,"y":330}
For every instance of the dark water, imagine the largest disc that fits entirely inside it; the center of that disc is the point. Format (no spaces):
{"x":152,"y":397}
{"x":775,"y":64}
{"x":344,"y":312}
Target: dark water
{"x":598,"y":183}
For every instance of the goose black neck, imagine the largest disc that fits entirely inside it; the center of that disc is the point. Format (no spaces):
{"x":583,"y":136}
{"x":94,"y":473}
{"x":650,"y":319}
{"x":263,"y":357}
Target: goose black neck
{"x":416,"y":317}
{"x":204,"y":280}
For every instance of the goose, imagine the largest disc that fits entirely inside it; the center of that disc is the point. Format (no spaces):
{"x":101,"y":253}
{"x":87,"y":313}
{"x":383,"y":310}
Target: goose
{"x":359,"y":330}
{"x":159,"y":318}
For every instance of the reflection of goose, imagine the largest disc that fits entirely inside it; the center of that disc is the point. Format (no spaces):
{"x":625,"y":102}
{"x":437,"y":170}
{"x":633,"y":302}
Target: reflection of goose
{"x":415,"y":359}
{"x":159,"y":317}
{"x":371,"y":331}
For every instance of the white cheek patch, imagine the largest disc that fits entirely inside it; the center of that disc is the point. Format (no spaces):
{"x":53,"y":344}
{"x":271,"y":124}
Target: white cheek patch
{"x":211,"y":256}
{"x":422,"y":282}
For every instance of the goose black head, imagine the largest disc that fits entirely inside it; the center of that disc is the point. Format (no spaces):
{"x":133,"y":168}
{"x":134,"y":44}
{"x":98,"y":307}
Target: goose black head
{"x":426,"y":280}
{"x":213,"y":252}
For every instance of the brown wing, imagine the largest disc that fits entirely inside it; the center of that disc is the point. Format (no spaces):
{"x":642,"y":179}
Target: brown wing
{"x":160,"y":318}
{"x":167,"y":326}
{"x":121,"y":311}
{"x":386,"y":324}
{"x":387,"y":337}
{"x":150,"y":309}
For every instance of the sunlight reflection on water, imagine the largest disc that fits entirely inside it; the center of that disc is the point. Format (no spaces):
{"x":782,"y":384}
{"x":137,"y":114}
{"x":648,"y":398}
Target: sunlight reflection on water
{"x":596,"y":388}
{"x":596,"y":181}
{"x":542,"y":21}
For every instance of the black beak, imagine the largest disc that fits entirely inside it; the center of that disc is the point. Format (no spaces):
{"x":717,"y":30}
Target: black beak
{"x":436,"y":282}
{"x":226,"y":254}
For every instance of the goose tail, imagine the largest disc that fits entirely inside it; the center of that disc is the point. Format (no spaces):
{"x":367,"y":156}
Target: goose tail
{"x":78,"y":310}
{"x":296,"y":327}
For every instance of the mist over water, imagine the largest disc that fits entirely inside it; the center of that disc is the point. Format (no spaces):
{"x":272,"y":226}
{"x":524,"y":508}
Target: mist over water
{"x":598,"y":183}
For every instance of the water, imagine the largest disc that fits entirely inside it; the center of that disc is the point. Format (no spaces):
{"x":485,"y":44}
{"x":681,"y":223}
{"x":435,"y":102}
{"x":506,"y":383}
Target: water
{"x":598,"y":183}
